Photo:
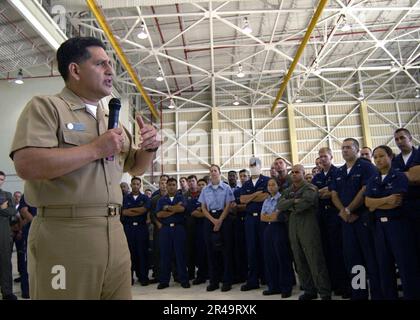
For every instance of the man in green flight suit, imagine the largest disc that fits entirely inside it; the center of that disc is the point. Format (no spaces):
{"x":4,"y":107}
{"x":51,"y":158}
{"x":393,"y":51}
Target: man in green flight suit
{"x":299,"y":202}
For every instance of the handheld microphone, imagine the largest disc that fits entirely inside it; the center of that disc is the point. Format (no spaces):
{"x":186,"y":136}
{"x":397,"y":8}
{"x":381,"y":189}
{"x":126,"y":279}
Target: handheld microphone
{"x":114,"y":106}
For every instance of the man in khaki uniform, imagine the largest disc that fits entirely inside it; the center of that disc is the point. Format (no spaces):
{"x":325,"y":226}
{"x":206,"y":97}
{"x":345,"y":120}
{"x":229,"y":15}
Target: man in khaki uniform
{"x":300,"y":203}
{"x":77,"y":248}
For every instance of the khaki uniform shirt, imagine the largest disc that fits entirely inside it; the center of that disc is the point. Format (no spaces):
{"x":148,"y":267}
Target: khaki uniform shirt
{"x":61,"y":121}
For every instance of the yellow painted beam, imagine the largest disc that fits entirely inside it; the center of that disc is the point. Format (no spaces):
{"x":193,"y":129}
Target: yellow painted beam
{"x":292,"y":133}
{"x":299,"y":52}
{"x":364,"y":119}
{"x":121,"y":55}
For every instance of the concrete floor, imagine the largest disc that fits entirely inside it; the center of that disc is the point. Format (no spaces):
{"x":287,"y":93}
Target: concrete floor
{"x":176,"y":292}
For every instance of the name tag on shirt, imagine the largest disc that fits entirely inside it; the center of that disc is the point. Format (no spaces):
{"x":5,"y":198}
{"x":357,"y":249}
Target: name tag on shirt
{"x":74,"y":126}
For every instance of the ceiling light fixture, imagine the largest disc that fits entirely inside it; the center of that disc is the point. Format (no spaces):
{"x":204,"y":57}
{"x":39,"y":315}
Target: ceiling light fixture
{"x":361,"y":95}
{"x":417,"y":96}
{"x":236,"y":101}
{"x":393,"y":68}
{"x":142,"y":34}
{"x":38,"y":18}
{"x":160,"y":76}
{"x":298,"y":99}
{"x":345,"y":26}
{"x":240,"y":73}
{"x":246,"y":27}
{"x":19,"y":78}
{"x":172,"y":104}
{"x":317,"y":71}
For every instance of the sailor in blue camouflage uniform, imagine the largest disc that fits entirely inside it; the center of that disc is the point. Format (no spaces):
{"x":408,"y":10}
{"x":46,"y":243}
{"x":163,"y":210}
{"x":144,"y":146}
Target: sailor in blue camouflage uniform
{"x":171,"y":212}
{"x":330,"y":226}
{"x":348,"y":188}
{"x":385,"y":193}
{"x":253,"y":194}
{"x":134,"y":215}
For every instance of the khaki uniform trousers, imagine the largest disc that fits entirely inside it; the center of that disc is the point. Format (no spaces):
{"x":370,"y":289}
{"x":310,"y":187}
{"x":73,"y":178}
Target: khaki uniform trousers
{"x":78,"y":258}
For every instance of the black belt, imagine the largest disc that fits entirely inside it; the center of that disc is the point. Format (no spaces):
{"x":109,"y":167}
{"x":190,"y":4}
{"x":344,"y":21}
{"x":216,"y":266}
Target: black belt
{"x":135,"y":223}
{"x":253,"y":214}
{"x":215,"y":213}
{"x":386,"y":219}
{"x":172,"y":224}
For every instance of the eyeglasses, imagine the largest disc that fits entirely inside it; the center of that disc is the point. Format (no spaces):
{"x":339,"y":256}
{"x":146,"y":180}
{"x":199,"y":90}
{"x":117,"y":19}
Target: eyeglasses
{"x":296,"y":172}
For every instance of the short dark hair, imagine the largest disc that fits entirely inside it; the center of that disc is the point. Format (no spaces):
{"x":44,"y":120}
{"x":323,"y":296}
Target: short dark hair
{"x":2,"y":173}
{"x":183,"y":178}
{"x":135,"y":178}
{"x":387,"y":150}
{"x":75,"y":50}
{"x":281,"y":158}
{"x":355,"y":142}
{"x":215,"y":165}
{"x":171,"y":180}
{"x":164,"y":176}
{"x":193,"y":176}
{"x":148,"y":190}
{"x":244,"y":171}
{"x":367,"y":148}
{"x":275,"y":180}
{"x":204,"y":180}
{"x":403,"y":130}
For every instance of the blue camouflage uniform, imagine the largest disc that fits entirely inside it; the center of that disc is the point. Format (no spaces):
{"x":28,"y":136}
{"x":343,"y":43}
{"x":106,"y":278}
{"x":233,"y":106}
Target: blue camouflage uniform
{"x":331,"y":234}
{"x":412,"y":199}
{"x":239,"y":242}
{"x":24,"y":281}
{"x":254,"y":231}
{"x":392,"y":241}
{"x":358,"y":243}
{"x":278,"y":262}
{"x":172,"y":239}
{"x":200,"y":256}
{"x":137,"y":233}
{"x":216,"y":242}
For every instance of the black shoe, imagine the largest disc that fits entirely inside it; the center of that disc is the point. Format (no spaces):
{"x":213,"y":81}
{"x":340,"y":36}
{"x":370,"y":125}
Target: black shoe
{"x":247,"y":287}
{"x":198,"y":281}
{"x":270,"y":292}
{"x":308,"y":296}
{"x":326,"y":298}
{"x":346,"y":295}
{"x":153,"y":280}
{"x":10,"y":297}
{"x":185,"y":285}
{"x":25,"y":296}
{"x":144,"y":283}
{"x":17,"y":280}
{"x":226,"y":287}
{"x":212,"y":287}
{"x":162,"y":286}
{"x":286,"y":295}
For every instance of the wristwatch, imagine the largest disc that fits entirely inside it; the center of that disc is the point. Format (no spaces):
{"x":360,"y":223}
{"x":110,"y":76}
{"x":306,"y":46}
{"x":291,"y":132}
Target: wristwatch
{"x":347,"y":211}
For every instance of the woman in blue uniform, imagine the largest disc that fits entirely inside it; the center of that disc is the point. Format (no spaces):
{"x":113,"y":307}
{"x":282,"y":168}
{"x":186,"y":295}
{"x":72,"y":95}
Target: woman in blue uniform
{"x":216,"y":201}
{"x":384,"y":197}
{"x":278,"y":263}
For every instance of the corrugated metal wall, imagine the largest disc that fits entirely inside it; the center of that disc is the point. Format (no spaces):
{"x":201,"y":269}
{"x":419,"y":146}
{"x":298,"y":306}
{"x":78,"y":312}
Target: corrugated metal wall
{"x":246,"y":131}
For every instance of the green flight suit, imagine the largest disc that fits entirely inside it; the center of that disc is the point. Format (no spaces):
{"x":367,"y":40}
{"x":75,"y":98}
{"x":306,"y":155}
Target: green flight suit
{"x":300,"y":205}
